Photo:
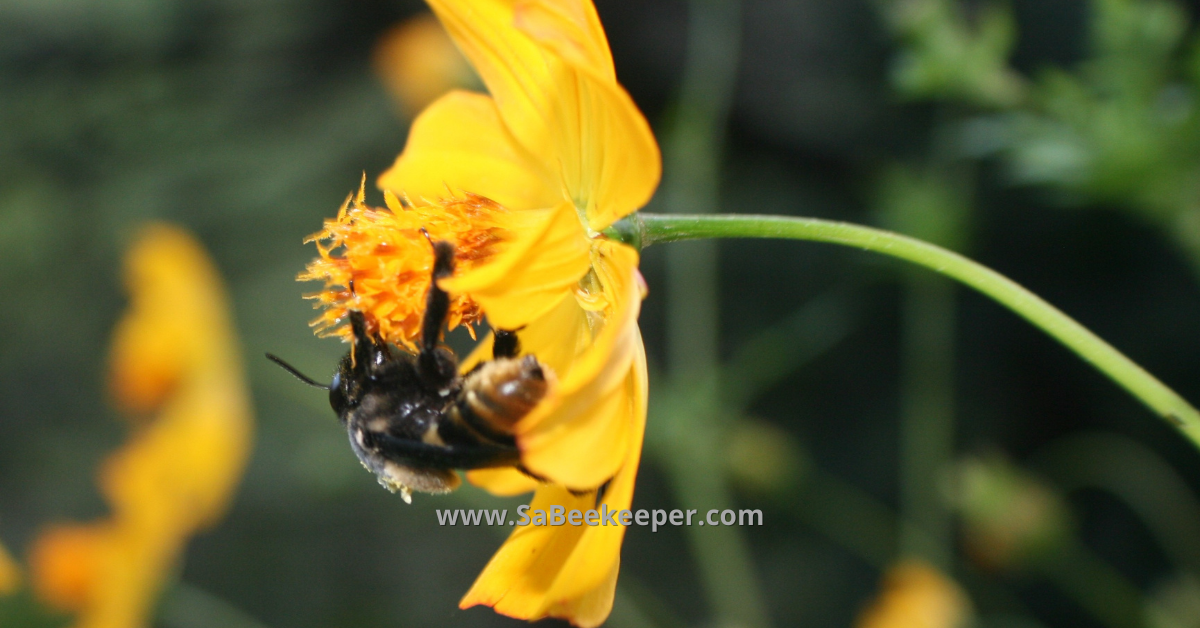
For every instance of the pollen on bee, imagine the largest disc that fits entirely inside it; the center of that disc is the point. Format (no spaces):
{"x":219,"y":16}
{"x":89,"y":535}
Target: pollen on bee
{"x":378,"y":260}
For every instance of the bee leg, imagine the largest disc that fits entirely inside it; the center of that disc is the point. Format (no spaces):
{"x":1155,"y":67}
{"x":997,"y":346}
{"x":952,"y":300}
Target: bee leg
{"x":506,"y":344}
{"x":368,"y":351}
{"x":436,"y":365}
{"x":437,"y":302}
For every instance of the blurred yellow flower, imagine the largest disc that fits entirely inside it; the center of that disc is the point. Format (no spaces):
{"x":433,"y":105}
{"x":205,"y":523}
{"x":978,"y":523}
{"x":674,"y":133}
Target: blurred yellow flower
{"x":10,"y":573}
{"x":175,"y":354}
{"x":417,"y":62}
{"x":916,"y":595}
{"x":559,"y":152}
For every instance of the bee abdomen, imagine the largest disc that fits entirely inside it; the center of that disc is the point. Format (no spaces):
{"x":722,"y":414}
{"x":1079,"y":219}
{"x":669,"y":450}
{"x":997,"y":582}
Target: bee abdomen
{"x":501,"y":392}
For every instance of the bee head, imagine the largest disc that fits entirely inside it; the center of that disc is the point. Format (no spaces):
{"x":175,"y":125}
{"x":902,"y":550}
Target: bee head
{"x":368,"y":357}
{"x":346,"y":389}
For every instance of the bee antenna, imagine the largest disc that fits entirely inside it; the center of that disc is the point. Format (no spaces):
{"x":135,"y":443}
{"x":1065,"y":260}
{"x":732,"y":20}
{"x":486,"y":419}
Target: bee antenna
{"x":295,"y":373}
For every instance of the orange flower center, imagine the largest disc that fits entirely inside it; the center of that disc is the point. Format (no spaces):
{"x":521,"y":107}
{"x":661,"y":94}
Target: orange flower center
{"x":378,"y":261}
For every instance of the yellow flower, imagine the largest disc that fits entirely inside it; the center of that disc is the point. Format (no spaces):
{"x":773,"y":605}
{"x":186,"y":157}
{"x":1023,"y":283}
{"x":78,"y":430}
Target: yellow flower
{"x":10,"y":573}
{"x":174,"y":354}
{"x":560,"y":152}
{"x":418,"y":62}
{"x":915,"y":595}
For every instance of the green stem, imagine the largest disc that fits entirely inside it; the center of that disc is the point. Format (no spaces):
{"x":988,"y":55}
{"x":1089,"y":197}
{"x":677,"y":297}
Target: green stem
{"x":654,"y":228}
{"x":692,"y":153}
{"x":926,"y":417}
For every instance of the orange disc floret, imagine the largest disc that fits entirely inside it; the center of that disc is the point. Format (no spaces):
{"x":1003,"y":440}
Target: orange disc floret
{"x":378,"y":261}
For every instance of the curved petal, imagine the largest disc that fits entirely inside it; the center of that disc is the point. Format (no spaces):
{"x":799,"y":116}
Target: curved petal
{"x":571,"y":29}
{"x":567,"y":571}
{"x":577,"y":436}
{"x":532,"y":274}
{"x":505,"y":481}
{"x":460,"y":144}
{"x":514,"y":68}
{"x":556,"y":338}
{"x":547,"y":64}
{"x":611,"y":164}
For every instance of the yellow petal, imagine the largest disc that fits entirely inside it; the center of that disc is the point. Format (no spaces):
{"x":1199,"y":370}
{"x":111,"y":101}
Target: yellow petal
{"x":557,"y":338}
{"x":503,"y":482}
{"x":571,"y":28}
{"x":577,"y":436}
{"x":145,"y":363}
{"x":533,"y":274}
{"x":566,"y":571}
{"x":552,"y":81}
{"x":177,"y":320}
{"x":514,"y":68}
{"x":459,"y":144}
{"x":610,"y":161}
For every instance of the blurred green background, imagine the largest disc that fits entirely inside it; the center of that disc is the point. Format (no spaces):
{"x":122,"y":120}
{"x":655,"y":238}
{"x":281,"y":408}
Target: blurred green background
{"x":1056,"y":141}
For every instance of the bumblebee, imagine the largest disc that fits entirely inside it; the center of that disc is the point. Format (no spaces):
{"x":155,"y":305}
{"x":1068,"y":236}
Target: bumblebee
{"x":412,"y":419}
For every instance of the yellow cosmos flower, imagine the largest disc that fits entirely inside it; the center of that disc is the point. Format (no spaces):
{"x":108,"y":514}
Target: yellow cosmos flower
{"x":174,"y":354}
{"x":916,"y":595}
{"x":557,"y":152}
{"x":418,"y":62}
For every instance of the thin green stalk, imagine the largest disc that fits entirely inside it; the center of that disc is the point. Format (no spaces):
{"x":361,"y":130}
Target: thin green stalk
{"x":932,"y":202}
{"x":692,"y":152}
{"x":653,"y":228}
{"x":926,"y":418}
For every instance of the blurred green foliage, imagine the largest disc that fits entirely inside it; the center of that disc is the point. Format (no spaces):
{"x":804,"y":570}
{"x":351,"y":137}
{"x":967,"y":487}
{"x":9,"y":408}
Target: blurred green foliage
{"x":1121,"y":128}
{"x":950,"y":51}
